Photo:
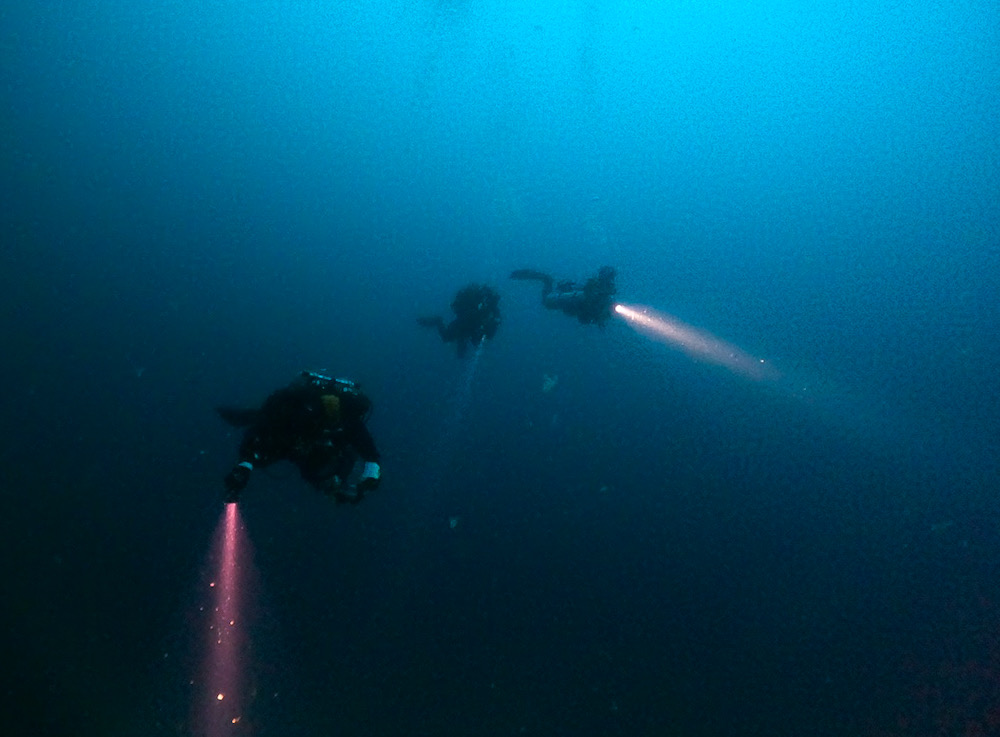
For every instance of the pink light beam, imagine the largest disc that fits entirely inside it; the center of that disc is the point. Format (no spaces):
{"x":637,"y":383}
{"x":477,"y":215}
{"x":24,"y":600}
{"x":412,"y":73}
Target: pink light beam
{"x":220,"y":696}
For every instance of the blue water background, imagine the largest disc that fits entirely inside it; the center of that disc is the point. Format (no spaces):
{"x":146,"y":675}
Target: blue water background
{"x":201,"y":199}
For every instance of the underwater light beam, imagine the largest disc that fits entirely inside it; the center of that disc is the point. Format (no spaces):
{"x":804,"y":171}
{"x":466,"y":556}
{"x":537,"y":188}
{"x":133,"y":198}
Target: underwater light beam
{"x":696,"y":343}
{"x":219,"y":697}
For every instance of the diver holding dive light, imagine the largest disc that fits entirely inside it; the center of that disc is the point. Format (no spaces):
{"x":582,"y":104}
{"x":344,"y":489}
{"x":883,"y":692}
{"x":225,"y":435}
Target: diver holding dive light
{"x":317,"y":423}
{"x":591,"y":302}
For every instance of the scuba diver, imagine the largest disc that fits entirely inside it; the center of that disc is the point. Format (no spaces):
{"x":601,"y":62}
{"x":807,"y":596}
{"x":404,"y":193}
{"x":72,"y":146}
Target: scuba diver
{"x":477,"y":317}
{"x":317,"y":423}
{"x":590,"y":303}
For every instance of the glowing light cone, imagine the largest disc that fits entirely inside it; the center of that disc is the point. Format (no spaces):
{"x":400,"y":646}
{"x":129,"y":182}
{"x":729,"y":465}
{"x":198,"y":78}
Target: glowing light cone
{"x":220,"y":695}
{"x":696,"y":343}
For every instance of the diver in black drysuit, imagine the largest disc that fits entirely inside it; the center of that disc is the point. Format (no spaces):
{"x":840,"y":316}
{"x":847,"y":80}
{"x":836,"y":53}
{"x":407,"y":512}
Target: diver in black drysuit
{"x":477,"y":317}
{"x":590,"y":303}
{"x":316,"y":422}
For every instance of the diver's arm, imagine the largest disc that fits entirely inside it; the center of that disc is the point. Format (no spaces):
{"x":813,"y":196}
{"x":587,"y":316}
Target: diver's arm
{"x":260,"y":446}
{"x":251,"y":454}
{"x":361,"y":439}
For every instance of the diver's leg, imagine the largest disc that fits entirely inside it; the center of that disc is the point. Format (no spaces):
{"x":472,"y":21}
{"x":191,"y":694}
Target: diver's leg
{"x":449,"y":333}
{"x":434,"y":322}
{"x":532,"y":275}
{"x":568,"y":302}
{"x":529,"y":275}
{"x":546,"y":288}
